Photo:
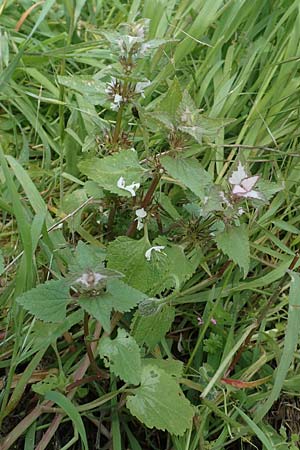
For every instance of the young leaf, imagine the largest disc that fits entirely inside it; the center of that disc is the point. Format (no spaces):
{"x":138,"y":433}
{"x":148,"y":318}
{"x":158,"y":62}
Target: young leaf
{"x":108,"y":171}
{"x":159,"y":402}
{"x":99,"y":307}
{"x":118,"y":296}
{"x":124,"y":297}
{"x":189,"y":172}
{"x":86,"y":257}
{"x":122,"y":355}
{"x":150,"y":330}
{"x":128,"y":256}
{"x":171,"y":99}
{"x":234,"y":242}
{"x":48,"y":301}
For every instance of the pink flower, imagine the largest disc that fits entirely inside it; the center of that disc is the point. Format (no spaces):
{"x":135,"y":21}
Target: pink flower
{"x":200,"y":320}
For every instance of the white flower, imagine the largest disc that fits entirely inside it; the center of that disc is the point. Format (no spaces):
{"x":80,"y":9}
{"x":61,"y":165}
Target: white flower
{"x":90,"y":278}
{"x":130,"y":188}
{"x":240,"y":211}
{"x":117,"y":102}
{"x":224,"y":199}
{"x":140,"y":215}
{"x":140,"y":86}
{"x":156,"y":248}
{"x":242,"y":184}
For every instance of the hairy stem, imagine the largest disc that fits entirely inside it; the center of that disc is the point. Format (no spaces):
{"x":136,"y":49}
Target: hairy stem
{"x":146,"y":201}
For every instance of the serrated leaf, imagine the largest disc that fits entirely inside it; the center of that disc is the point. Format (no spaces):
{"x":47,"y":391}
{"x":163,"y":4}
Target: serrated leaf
{"x":124,"y":297}
{"x":195,"y":124}
{"x":160,"y":403}
{"x":86,"y":257}
{"x":189,"y":172}
{"x":179,"y":265}
{"x":48,"y":301}
{"x":99,"y":307}
{"x":122,"y":355}
{"x":269,"y":188}
{"x":1,"y":263}
{"x":150,"y":330}
{"x":171,"y":100}
{"x":107,"y":171}
{"x":87,"y":86}
{"x":118,"y":296}
{"x":70,"y":203}
{"x":234,"y":242}
{"x":187,"y":113}
{"x":170,"y":366}
{"x":128,"y":256}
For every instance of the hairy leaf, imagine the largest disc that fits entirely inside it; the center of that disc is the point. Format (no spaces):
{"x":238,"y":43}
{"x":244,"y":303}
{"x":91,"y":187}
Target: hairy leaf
{"x":189,"y":172}
{"x":150,"y":330}
{"x":128,"y":256}
{"x":107,"y":171}
{"x":122,"y":355}
{"x":118,"y":296}
{"x":48,"y":301}
{"x":160,"y":403}
{"x":234,"y":242}
{"x":170,"y":366}
{"x":99,"y":307}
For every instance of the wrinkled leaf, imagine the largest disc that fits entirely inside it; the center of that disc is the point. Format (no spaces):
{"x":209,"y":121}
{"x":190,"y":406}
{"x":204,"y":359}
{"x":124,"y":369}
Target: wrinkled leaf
{"x":48,"y":301}
{"x":149,"y":330}
{"x":160,"y":403}
{"x":122,"y":355}
{"x":234,"y":242}
{"x":189,"y":172}
{"x":108,"y":170}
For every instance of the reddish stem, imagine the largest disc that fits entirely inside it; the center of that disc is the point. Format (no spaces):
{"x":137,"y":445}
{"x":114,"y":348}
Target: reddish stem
{"x":146,"y":201}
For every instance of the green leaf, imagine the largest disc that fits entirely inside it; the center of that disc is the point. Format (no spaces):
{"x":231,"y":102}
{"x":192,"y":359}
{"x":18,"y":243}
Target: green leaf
{"x":179,"y":265}
{"x":122,"y":355}
{"x":86,"y":257}
{"x":189,"y":172}
{"x":108,"y":170}
{"x":290,"y":345}
{"x":99,"y":307}
{"x":1,"y":263}
{"x":257,"y":431}
{"x":52,"y":382}
{"x":70,"y":203}
{"x":48,"y":301}
{"x":170,"y":366}
{"x":119,"y":296}
{"x":87,"y":86}
{"x":46,"y":335}
{"x":71,"y":411}
{"x":128,"y":256}
{"x":160,"y":403}
{"x":150,"y":330}
{"x":234,"y":242}
{"x":124,"y":297}
{"x":171,"y":99}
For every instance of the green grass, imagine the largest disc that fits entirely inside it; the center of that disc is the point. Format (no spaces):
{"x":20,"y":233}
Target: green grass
{"x":239,"y":61}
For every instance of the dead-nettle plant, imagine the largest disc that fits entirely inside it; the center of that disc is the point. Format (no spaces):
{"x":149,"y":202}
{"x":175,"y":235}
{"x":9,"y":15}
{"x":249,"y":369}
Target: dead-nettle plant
{"x":138,"y":278}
